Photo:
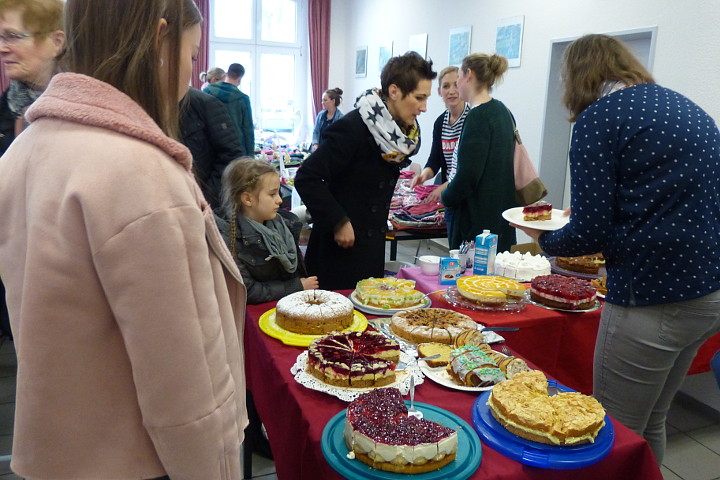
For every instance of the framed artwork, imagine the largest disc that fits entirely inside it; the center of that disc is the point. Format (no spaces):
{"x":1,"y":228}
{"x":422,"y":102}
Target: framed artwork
{"x":459,"y":45}
{"x":386,"y":51}
{"x":508,"y":39}
{"x":361,"y":61}
{"x":418,"y":43}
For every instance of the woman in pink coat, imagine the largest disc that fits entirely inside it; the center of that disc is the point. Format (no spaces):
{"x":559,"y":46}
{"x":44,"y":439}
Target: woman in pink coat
{"x":126,"y":307}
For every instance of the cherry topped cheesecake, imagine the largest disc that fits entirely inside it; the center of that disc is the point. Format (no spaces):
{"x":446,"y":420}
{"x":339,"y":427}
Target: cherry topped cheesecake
{"x":537,"y":211}
{"x":380,"y":433}
{"x":353,"y":359}
{"x":568,"y":293}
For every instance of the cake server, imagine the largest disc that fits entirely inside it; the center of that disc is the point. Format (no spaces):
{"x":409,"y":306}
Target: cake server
{"x":412,"y":411}
{"x":500,"y":329}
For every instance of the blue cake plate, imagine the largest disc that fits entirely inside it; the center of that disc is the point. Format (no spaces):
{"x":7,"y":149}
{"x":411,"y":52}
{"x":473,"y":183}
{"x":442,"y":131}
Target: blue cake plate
{"x":538,"y":454}
{"x":468,"y":458}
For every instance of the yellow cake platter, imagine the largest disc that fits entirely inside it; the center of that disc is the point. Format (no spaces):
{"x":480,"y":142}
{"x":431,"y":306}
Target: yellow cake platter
{"x":269,"y":327}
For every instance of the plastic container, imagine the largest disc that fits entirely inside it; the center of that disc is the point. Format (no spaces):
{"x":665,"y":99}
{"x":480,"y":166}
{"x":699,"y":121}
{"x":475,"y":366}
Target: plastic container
{"x":429,"y":264}
{"x":485,"y":252}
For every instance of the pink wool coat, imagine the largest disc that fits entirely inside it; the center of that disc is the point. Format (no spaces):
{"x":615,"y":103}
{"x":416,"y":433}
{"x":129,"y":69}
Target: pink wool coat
{"x":126,"y":307}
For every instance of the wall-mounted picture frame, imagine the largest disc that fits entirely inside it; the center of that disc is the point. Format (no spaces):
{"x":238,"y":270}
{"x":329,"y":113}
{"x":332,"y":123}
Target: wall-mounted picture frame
{"x":508,"y":39}
{"x":418,"y":43}
{"x":386,"y":52}
{"x":459,"y":44}
{"x":361,"y":61}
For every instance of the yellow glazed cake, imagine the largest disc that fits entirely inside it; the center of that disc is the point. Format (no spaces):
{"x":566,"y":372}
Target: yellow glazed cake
{"x":489,"y":289}
{"x":388,"y":293}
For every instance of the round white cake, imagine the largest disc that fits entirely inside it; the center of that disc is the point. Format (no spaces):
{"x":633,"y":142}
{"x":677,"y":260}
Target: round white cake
{"x":522,"y":267}
{"x":314,"y":312}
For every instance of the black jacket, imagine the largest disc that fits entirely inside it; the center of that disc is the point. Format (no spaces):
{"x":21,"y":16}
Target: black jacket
{"x":208,"y":131}
{"x":7,"y":124}
{"x":265,"y":280}
{"x":346,"y":178}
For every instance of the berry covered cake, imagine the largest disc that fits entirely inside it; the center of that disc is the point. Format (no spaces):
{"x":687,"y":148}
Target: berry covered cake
{"x":537,"y":211}
{"x":522,"y":405}
{"x":353,"y":359}
{"x":379,"y":432}
{"x":314,"y":312}
{"x":387,"y":293}
{"x":490,"y":289}
{"x":430,"y":325}
{"x":568,"y":293}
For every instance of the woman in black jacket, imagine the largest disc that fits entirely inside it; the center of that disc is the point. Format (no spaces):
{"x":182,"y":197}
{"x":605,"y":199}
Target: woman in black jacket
{"x":347,"y":184}
{"x":208,"y":132}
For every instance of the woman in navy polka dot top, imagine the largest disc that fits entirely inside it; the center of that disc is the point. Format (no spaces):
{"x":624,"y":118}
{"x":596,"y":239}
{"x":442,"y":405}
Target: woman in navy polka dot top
{"x":645,"y":163}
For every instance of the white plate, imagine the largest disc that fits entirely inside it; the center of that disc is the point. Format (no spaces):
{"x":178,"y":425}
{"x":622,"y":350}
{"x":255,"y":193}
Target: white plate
{"x":348,"y":394}
{"x":557,"y":221}
{"x":442,"y":376}
{"x":597,"y":306}
{"x":425,"y":303}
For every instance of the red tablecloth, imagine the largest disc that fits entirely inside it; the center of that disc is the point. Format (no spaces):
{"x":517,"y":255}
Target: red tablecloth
{"x":561,"y":344}
{"x":295,"y":417}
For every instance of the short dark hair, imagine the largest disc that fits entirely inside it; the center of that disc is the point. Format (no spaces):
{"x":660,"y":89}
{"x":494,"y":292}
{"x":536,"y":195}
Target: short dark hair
{"x":235,"y":70}
{"x":405,"y":71}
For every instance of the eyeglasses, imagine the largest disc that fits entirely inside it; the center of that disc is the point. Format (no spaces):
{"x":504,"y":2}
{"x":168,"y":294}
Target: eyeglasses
{"x":11,"y":38}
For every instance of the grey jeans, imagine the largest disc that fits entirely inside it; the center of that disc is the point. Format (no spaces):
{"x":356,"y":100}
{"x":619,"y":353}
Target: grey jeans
{"x":642,"y":355}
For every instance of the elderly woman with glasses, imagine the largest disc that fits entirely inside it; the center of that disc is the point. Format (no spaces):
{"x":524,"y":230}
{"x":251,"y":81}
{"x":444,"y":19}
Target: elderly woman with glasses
{"x":31,"y":40}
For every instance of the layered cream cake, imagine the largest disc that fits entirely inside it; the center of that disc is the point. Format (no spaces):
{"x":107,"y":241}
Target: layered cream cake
{"x":379,"y":432}
{"x":430,"y":325}
{"x":490,"y":289}
{"x":314,"y":312}
{"x":353,"y":359}
{"x":522,"y":405}
{"x":522,"y":267}
{"x":558,"y":291}
{"x":389,"y":292}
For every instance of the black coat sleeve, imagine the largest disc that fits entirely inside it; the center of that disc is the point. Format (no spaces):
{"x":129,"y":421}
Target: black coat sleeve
{"x":436,"y":159}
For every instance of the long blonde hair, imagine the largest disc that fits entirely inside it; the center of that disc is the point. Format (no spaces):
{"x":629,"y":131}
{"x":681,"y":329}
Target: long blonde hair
{"x":115,"y":41}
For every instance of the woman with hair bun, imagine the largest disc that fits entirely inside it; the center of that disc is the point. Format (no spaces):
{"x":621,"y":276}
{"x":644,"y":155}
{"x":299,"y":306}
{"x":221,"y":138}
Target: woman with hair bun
{"x":330,"y":101}
{"x":481,"y":178}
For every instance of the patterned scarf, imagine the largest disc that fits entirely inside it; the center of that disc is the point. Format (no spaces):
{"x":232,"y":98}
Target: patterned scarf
{"x":20,"y":96}
{"x":278,"y":240}
{"x":393,"y":142}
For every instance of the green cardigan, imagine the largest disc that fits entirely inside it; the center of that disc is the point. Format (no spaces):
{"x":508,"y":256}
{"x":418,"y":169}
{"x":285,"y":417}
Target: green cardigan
{"x":484,"y":182}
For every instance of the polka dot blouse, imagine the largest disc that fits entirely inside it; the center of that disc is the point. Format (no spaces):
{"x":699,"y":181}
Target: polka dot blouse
{"x":645,"y":190}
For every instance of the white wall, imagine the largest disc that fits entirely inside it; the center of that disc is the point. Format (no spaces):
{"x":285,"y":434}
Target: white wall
{"x":686,"y":53}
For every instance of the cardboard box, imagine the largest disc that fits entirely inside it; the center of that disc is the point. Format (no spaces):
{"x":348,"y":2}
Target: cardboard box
{"x":531,"y":247}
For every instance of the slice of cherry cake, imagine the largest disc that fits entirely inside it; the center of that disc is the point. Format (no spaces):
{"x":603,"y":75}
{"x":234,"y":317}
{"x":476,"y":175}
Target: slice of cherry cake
{"x":537,"y":211}
{"x":379,"y":432}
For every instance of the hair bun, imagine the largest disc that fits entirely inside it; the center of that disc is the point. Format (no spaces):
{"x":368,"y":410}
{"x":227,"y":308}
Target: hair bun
{"x":338,"y":91}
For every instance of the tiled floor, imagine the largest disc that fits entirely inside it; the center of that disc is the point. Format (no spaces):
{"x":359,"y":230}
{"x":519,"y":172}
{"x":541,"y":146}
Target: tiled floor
{"x":693,"y":446}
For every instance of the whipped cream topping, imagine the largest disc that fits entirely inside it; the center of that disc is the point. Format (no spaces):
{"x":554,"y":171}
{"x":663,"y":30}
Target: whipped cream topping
{"x":522,"y":267}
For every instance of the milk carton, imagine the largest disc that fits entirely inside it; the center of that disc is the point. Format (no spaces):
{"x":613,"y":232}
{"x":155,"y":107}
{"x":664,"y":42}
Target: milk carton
{"x":450,"y":270}
{"x":485,"y":252}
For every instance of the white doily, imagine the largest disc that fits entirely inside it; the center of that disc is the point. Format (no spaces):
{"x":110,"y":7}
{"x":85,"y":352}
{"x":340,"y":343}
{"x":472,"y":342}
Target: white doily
{"x":348,"y":394}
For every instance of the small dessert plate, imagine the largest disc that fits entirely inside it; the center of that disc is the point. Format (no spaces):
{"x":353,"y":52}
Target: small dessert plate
{"x":558,"y":220}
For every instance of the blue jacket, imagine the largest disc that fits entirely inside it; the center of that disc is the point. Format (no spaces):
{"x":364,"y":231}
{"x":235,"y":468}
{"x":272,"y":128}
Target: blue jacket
{"x":238,"y":105}
{"x":321,"y":122}
{"x":645,"y":163}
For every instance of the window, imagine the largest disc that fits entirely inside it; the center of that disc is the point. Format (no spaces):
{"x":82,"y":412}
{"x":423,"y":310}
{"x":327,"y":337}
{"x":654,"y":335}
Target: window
{"x":267,"y":37}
